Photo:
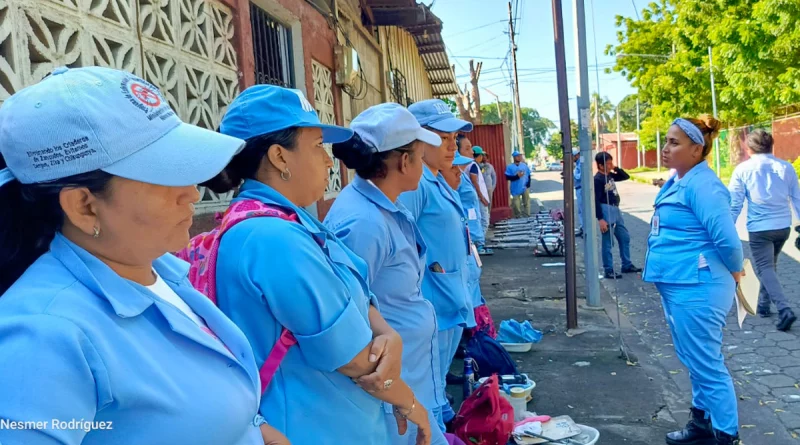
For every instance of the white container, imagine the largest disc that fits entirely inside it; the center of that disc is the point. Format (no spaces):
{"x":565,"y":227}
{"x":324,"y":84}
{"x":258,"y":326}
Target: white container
{"x":528,"y":388}
{"x":519,"y":401}
{"x":588,"y":436}
{"x":517,"y":347}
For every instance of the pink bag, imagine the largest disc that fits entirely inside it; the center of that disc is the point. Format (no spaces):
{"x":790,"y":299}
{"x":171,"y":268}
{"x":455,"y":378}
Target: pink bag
{"x":485,"y":418}
{"x":484,"y":321}
{"x":201,"y":253}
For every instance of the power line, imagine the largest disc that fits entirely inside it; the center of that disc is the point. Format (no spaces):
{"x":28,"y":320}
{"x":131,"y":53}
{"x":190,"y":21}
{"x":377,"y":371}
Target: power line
{"x":475,"y":28}
{"x":636,"y":9}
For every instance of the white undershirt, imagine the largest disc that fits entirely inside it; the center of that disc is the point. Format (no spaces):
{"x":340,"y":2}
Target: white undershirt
{"x":166,"y":293}
{"x":702,"y":262}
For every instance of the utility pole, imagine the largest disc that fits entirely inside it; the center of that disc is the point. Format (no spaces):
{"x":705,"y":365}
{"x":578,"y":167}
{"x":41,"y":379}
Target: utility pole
{"x":714,"y":105}
{"x":497,"y":101}
{"x":658,"y":148}
{"x":587,"y":181}
{"x":619,"y":143}
{"x":566,"y":138}
{"x":638,"y":138}
{"x":518,"y":115}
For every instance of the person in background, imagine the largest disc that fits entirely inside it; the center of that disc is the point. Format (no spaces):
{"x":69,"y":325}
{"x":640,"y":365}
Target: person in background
{"x":437,"y":211}
{"x":771,"y":189}
{"x":519,"y":175}
{"x":609,"y":216}
{"x":576,"y":157}
{"x":293,"y":273}
{"x":466,"y":149}
{"x":490,"y":178}
{"x":98,"y":322}
{"x":694,"y":258}
{"x":386,"y":153}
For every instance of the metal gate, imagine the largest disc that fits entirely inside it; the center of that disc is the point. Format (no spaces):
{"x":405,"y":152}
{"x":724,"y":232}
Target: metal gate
{"x":272,"y":49}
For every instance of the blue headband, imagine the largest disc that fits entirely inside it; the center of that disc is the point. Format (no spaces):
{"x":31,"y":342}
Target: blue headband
{"x":691,"y":130}
{"x":6,"y":176}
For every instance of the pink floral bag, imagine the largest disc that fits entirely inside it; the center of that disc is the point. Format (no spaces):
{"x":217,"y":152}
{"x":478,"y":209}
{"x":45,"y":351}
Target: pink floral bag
{"x":201,"y":253}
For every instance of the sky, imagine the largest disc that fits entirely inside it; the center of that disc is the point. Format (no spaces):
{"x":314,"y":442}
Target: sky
{"x":479,"y":29}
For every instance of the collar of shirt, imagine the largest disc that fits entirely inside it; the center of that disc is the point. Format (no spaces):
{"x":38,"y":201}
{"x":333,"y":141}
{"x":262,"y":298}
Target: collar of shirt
{"x":373,"y":194}
{"x":697,"y":169}
{"x":252,"y":189}
{"x":124,"y":296}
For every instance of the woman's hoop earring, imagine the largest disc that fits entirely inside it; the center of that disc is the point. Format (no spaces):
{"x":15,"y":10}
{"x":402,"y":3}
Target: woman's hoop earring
{"x":96,"y":232}
{"x":286,"y":174}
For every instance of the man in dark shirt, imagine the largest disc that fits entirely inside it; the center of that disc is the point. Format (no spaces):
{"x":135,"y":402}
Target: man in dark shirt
{"x":606,"y":199}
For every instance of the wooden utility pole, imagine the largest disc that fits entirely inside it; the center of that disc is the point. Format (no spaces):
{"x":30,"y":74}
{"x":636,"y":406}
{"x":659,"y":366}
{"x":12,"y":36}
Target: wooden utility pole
{"x":474,"y":74}
{"x":518,"y":113}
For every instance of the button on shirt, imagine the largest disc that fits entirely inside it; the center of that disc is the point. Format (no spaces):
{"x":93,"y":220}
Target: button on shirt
{"x":518,"y":186}
{"x":769,"y":185}
{"x":79,"y":343}
{"x":280,"y":273}
{"x":384,"y":235}
{"x":437,"y":211}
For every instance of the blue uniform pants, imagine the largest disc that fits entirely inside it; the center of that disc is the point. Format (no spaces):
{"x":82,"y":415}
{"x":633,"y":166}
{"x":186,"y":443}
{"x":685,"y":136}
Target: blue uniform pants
{"x":579,"y":205}
{"x":448,"y":344}
{"x":696,"y":315}
{"x":616,"y":225}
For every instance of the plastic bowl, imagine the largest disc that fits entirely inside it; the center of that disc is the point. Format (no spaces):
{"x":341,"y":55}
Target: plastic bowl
{"x":517,"y":347}
{"x":529,"y":387}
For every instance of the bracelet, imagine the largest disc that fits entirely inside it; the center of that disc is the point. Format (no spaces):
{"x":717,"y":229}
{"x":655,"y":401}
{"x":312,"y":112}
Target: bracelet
{"x":410,"y":411}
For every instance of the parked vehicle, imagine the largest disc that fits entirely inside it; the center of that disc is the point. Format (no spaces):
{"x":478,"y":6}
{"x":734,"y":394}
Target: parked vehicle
{"x":555,"y":166}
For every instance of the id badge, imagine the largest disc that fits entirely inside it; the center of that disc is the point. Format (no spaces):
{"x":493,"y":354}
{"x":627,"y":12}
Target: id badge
{"x":477,"y":257}
{"x":654,"y":226}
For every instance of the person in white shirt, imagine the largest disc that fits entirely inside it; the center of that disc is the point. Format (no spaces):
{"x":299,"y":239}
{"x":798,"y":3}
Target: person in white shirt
{"x":769,"y":185}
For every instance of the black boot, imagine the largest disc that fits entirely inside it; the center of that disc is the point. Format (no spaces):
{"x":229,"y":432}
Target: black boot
{"x":697,"y":432}
{"x":726,"y":439}
{"x":787,"y":319}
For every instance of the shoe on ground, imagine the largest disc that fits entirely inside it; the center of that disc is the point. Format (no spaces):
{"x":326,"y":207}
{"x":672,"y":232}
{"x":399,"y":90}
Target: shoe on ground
{"x":726,"y":439}
{"x":632,"y":269}
{"x":764,"y":312}
{"x":698,"y":431}
{"x":787,"y":319}
{"x":613,"y":276}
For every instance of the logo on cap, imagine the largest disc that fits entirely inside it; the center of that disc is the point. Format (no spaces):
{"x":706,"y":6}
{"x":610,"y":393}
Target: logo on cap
{"x":441,"y":108}
{"x":145,"y":94}
{"x":303,"y":101}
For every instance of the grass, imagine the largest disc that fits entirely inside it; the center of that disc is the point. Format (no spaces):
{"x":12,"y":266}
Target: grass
{"x":641,"y":170}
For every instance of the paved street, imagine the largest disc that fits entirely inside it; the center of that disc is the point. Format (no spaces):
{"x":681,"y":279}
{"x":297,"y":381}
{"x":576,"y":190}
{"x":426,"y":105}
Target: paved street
{"x":765,"y":363}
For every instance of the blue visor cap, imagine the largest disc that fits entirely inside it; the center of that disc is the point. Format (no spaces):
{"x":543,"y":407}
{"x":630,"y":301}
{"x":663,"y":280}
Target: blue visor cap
{"x":263,"y":109}
{"x":516,"y":153}
{"x":436,"y":114}
{"x":462,"y":160}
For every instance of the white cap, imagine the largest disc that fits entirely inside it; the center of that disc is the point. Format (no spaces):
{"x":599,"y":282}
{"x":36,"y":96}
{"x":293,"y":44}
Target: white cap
{"x":389,"y":126}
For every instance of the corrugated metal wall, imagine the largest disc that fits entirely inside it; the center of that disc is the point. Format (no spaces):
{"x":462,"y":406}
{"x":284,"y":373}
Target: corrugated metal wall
{"x":490,"y":138}
{"x":402,"y":54}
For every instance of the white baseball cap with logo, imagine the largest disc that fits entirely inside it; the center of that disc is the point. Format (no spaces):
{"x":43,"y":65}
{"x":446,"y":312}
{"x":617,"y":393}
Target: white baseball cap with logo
{"x":80,"y":120}
{"x":389,"y":126}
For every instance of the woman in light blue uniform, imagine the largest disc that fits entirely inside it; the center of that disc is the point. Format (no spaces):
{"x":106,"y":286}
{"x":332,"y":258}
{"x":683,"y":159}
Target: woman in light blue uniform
{"x":386,"y":153}
{"x":443,"y":224}
{"x":695,"y":259}
{"x":275,"y":273}
{"x":104,"y":341}
{"x":468,"y":196}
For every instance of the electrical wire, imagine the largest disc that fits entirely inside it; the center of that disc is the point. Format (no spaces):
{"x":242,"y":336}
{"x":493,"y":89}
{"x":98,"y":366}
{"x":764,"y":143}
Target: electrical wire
{"x":475,"y":28}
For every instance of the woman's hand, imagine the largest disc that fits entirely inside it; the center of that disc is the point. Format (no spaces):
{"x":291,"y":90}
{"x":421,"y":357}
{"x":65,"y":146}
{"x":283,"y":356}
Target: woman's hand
{"x":418,"y":415}
{"x":387,"y":351}
{"x":272,"y":436}
{"x":737,"y":276}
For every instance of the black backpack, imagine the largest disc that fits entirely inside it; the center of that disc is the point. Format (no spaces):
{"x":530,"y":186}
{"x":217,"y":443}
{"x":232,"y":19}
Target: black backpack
{"x":490,"y":357}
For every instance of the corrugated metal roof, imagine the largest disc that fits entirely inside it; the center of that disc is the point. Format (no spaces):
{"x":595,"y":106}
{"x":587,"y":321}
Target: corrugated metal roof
{"x":427,"y":34}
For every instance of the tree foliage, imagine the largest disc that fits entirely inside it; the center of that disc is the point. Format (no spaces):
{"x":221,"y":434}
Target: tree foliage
{"x":756,"y":59}
{"x":554,"y":145}
{"x":536,"y":128}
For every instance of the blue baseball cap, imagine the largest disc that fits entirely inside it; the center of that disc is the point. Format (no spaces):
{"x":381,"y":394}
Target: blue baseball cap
{"x":462,"y":160}
{"x":85,"y":119}
{"x":516,"y":153}
{"x":263,"y":109}
{"x":436,"y":114}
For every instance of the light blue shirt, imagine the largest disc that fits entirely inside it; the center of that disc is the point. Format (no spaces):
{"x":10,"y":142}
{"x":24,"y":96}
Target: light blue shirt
{"x":437,"y":211}
{"x":79,"y":342}
{"x":577,"y":175}
{"x":692,"y":218}
{"x":385,"y":236}
{"x":769,"y":185}
{"x":518,"y":186}
{"x":471,"y":205}
{"x":299,"y":276}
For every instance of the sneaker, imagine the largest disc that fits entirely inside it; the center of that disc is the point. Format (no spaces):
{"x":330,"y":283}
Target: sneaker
{"x":613,"y":276}
{"x":787,"y":319}
{"x":632,"y":269}
{"x":698,"y":431}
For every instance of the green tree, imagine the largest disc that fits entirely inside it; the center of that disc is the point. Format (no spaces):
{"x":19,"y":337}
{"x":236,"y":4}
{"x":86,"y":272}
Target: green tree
{"x":554,"y":145}
{"x":536,"y":128}
{"x":607,"y":114}
{"x":627,"y":113}
{"x":452,"y":104}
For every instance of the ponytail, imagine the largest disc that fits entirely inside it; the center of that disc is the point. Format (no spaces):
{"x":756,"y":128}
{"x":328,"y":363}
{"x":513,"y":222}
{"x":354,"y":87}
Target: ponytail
{"x":364,"y":158}
{"x":32,"y":217}
{"x":709,"y":127}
